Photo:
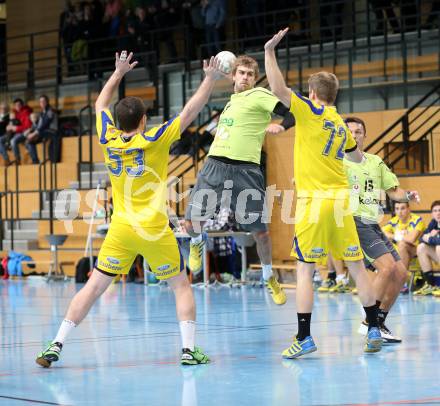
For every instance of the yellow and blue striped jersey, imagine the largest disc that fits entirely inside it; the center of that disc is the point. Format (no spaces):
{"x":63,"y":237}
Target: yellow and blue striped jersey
{"x":321,"y":139}
{"x":138,"y":169}
{"x":396,"y":225}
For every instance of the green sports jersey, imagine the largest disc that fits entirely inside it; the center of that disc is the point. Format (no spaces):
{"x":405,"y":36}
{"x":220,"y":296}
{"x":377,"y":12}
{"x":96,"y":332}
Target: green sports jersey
{"x":242,"y":125}
{"x":367,"y":181}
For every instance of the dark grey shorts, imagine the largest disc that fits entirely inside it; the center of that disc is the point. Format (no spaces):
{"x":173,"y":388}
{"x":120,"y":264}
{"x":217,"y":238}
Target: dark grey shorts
{"x":374,"y":242}
{"x":237,"y":186}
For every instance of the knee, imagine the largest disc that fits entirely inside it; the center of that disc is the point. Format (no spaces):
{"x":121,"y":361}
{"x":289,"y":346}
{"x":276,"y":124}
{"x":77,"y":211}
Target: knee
{"x":401,"y":274}
{"x":262,"y":236}
{"x":421,"y":248}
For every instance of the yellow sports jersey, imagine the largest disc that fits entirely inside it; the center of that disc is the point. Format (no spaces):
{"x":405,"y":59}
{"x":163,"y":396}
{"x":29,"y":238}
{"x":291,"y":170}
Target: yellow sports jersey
{"x":321,"y":139}
{"x":138,"y":169}
{"x":398,"y":228}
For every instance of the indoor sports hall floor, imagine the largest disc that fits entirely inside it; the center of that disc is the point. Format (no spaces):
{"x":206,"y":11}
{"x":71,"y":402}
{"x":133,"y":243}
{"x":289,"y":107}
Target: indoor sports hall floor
{"x":127,"y":351}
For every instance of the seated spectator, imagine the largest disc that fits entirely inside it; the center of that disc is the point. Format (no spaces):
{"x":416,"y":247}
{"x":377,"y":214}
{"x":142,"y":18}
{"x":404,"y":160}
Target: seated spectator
{"x":223,"y":247}
{"x":4,"y":121}
{"x":404,"y":230}
{"x":22,"y":113}
{"x":42,"y":130}
{"x":428,"y":251}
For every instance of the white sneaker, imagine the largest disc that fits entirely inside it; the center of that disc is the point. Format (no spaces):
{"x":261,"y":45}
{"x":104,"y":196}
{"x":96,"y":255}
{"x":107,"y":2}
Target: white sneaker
{"x":387,"y":335}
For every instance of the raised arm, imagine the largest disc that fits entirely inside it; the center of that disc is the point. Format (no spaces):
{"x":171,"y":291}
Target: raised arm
{"x":122,"y":66}
{"x":199,"y":99}
{"x":273,"y":73}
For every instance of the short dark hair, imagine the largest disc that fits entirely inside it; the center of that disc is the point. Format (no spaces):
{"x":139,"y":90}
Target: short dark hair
{"x":45,"y":97}
{"x":435,"y":203}
{"x":18,"y":100}
{"x":356,"y":120}
{"x":129,"y":113}
{"x":407,"y":203}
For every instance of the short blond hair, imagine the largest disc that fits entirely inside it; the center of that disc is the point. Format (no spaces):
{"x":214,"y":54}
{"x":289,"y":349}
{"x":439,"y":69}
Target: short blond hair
{"x":325,"y":85}
{"x":248,"y":62}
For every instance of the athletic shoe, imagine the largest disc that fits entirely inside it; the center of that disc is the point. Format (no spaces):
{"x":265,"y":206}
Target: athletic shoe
{"x":299,"y":348}
{"x":49,"y":355}
{"x":387,"y":335}
{"x":276,"y":291}
{"x":340,"y":287}
{"x":354,"y":291}
{"x":195,"y":261}
{"x":425,"y":290}
{"x":385,"y":332}
{"x":326,"y":285}
{"x":193,"y":357}
{"x":436,"y":291}
{"x":373,"y":341}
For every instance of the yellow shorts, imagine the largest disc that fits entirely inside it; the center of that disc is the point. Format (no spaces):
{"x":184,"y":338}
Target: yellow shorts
{"x":323,"y":226}
{"x":124,"y":242}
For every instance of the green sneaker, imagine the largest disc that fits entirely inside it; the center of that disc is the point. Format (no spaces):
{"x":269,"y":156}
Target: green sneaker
{"x":193,"y":357}
{"x":425,"y":290}
{"x":326,"y":285}
{"x":340,"y":287}
{"x":49,"y":355}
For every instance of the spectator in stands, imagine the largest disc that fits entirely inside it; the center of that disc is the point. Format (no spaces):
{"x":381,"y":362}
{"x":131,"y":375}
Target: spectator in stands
{"x":192,"y":17}
{"x":433,"y":19}
{"x":428,"y":251}
{"x":43,"y":129}
{"x":214,"y":13}
{"x":381,"y":9}
{"x":404,"y":230}
{"x":22,"y":113}
{"x":112,"y":17}
{"x":4,"y":121}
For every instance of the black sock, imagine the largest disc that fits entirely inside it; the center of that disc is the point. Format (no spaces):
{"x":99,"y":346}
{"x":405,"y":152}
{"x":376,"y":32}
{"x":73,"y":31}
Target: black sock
{"x":429,"y":277}
{"x":332,"y":275}
{"x":371,"y":313}
{"x":303,"y":325}
{"x":381,"y":316}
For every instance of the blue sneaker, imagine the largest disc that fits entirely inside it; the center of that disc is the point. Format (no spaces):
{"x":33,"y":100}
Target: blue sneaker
{"x":299,"y":348}
{"x":373,"y":341}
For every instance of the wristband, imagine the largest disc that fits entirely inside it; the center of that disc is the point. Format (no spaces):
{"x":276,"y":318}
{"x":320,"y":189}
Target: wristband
{"x":408,"y":195}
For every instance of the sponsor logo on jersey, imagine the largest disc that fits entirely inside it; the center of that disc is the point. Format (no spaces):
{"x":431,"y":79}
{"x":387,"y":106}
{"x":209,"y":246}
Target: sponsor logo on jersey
{"x":163,"y":267}
{"x":318,"y":250}
{"x":353,"y":248}
{"x":113,"y":260}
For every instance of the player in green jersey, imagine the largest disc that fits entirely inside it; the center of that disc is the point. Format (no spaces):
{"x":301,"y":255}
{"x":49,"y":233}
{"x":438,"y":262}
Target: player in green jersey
{"x":231,"y":177}
{"x":367,"y":181}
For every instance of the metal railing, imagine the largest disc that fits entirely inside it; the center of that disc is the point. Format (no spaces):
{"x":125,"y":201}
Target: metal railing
{"x":409,"y":132}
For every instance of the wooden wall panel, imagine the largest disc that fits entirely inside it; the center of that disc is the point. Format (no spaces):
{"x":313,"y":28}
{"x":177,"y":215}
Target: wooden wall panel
{"x":25,"y":17}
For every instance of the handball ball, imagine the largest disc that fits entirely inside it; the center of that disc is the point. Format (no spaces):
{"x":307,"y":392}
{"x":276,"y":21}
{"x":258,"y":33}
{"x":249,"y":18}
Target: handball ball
{"x":227,"y":60}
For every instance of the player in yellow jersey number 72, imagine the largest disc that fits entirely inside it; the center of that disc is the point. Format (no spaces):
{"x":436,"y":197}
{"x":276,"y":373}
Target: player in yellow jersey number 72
{"x":324,"y":223}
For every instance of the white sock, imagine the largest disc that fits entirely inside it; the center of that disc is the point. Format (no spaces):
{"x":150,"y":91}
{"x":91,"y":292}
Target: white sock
{"x":65,"y":329}
{"x":341,"y":278}
{"x":267,"y":271}
{"x":188,"y":333}
{"x":197,"y":240}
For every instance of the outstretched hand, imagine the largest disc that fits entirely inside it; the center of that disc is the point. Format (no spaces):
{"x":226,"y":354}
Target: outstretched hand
{"x":122,"y":62}
{"x":212,"y":68}
{"x":275,"y":40}
{"x":413,"y":195}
